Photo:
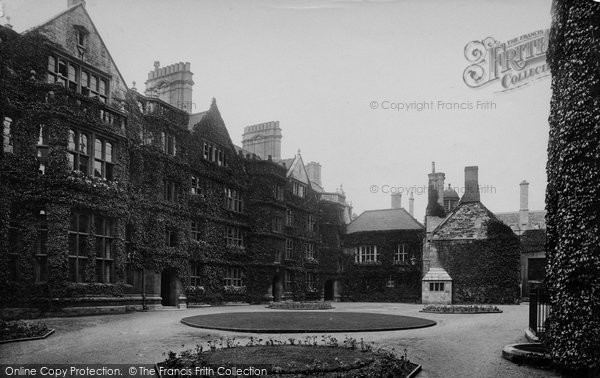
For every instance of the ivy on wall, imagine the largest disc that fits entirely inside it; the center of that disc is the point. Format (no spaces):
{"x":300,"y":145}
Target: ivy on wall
{"x":483,"y":270}
{"x":573,"y":222}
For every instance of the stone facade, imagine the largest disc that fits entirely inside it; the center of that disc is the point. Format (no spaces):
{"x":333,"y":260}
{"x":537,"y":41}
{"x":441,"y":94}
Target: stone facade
{"x":123,"y":201}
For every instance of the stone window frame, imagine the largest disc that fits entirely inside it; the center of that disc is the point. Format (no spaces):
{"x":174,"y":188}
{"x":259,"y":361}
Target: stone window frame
{"x":234,"y":237}
{"x":233,"y":276}
{"x":288,"y":280}
{"x":104,"y":241}
{"x":436,"y":286}
{"x":310,"y":281}
{"x":79,"y":233}
{"x":277,"y":224}
{"x":7,"y":138}
{"x":196,"y":185}
{"x":401,"y":255}
{"x":43,"y":147}
{"x":88,"y":160}
{"x":289,"y":249}
{"x":170,"y":191}
{"x":196,"y":231}
{"x":78,"y":77}
{"x":366,"y":253}
{"x":298,"y":189}
{"x":233,"y":200}
{"x":195,"y":273}
{"x":309,"y":250}
{"x":311,"y":223}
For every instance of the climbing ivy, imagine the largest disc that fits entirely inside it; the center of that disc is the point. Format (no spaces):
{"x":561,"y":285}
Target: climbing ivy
{"x":573,"y":191}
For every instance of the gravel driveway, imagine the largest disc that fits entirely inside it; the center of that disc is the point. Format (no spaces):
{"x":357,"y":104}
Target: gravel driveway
{"x":460,"y":345}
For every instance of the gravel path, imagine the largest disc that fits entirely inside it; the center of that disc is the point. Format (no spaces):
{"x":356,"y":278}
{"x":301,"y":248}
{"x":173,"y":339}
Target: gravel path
{"x":460,"y":345}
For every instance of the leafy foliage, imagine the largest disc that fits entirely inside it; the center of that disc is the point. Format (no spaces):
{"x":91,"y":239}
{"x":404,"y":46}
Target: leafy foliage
{"x":573,"y":191}
{"x":483,"y":270}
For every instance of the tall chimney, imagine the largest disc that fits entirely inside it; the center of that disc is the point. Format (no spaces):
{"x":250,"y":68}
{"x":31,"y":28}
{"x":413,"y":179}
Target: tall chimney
{"x":524,"y":205}
{"x":396,"y":200}
{"x":471,"y":185}
{"x":411,"y":204}
{"x":439,"y":182}
{"x":313,"y":170}
{"x":434,"y":207}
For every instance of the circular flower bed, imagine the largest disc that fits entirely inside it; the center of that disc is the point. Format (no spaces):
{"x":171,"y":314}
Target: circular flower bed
{"x":461,"y":309}
{"x":301,"y":305}
{"x":305,"y":321}
{"x":292,"y":358}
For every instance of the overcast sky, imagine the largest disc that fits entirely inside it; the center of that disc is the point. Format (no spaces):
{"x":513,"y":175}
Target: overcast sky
{"x":316,"y":66}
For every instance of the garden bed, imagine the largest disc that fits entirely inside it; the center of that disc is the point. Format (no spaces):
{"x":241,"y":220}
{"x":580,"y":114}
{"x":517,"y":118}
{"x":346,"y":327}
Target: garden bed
{"x":301,"y":306}
{"x":305,"y":322}
{"x":461,"y":309}
{"x":292,"y":358}
{"x":18,"y":330}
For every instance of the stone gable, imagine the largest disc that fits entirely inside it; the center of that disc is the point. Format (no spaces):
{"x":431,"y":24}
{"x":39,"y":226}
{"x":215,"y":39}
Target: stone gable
{"x":62,"y":30}
{"x":467,"y":221}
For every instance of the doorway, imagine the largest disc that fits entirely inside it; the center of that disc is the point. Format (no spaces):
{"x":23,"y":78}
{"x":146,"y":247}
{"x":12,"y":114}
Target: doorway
{"x":168,"y":287}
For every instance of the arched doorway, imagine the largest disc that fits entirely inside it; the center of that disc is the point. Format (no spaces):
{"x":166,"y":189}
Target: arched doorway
{"x":329,"y":290}
{"x":168,"y":287}
{"x":277,"y":289}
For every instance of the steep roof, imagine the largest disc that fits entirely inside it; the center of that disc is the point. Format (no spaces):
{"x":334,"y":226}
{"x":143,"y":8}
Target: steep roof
{"x":68,"y":16}
{"x":195,"y":118}
{"x":384,"y":220}
{"x":212,"y":127}
{"x":466,"y":221}
{"x":296,"y":169}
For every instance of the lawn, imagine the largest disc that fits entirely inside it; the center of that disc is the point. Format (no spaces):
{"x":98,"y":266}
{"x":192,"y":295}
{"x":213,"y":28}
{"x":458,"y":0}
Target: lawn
{"x":305,"y":321}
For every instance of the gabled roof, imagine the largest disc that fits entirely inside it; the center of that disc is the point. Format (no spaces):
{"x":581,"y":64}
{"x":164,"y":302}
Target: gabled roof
{"x":384,"y":220}
{"x":73,"y":9}
{"x":466,"y":224}
{"x":212,"y":127}
{"x":296,"y":169}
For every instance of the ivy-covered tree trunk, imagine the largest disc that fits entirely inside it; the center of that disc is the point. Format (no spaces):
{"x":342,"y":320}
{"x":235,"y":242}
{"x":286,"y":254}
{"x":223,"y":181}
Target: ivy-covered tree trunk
{"x":573,"y":192}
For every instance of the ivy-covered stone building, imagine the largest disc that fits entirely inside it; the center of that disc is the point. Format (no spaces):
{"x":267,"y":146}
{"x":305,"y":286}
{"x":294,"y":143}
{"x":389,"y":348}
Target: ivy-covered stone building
{"x":384,"y":248}
{"x":469,"y":255}
{"x":112,"y":199}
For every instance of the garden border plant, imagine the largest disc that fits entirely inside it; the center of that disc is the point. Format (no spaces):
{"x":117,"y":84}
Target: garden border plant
{"x":378,"y":361}
{"x":461,"y":309}
{"x":18,"y":330}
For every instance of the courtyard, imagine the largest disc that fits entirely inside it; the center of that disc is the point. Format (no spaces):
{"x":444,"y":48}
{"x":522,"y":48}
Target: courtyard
{"x":459,"y":345}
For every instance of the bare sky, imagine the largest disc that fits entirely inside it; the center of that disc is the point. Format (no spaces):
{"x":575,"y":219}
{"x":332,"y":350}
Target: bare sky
{"x":316,"y":66}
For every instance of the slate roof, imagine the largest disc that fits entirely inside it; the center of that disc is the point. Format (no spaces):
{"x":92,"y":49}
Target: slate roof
{"x":384,"y":220}
{"x":537,"y":217}
{"x":437,"y":274}
{"x":287,"y":162}
{"x":195,"y":118}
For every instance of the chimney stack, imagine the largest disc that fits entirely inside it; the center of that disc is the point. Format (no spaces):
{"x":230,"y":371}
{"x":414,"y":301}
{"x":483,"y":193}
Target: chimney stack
{"x":396,"y":200}
{"x":524,"y":205}
{"x":71,"y":3}
{"x":471,"y":185}
{"x":435,"y":194}
{"x":313,"y":170}
{"x":411,"y":204}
